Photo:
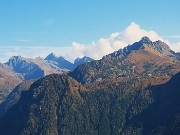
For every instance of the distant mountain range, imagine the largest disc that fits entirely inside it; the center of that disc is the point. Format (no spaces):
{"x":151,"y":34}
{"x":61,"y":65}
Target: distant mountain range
{"x":132,"y":91}
{"x":64,"y":64}
{"x":18,"y":69}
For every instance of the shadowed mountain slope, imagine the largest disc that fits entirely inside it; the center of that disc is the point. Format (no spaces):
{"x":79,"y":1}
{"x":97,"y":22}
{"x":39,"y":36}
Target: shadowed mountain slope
{"x":60,"y":62}
{"x":57,"y":104}
{"x":14,"y":96}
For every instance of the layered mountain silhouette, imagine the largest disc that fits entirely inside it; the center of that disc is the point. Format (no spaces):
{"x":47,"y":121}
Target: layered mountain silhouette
{"x":80,"y":61}
{"x":134,"y":90}
{"x":18,"y":69}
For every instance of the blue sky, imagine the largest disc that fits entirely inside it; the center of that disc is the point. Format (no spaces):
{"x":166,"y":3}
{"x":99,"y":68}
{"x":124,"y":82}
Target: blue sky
{"x":59,"y":23}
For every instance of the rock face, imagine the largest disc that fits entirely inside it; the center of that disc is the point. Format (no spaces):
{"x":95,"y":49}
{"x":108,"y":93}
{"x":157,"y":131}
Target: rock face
{"x":142,"y":59}
{"x":57,"y":104}
{"x":32,"y":68}
{"x":29,"y":70}
{"x":158,"y":48}
{"x":64,"y":64}
{"x":60,"y":62}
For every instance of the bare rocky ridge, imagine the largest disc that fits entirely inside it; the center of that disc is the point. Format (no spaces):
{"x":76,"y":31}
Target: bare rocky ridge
{"x":142,"y":59}
{"x":60,"y":62}
{"x":80,"y":61}
{"x":64,"y":64}
{"x":32,"y":68}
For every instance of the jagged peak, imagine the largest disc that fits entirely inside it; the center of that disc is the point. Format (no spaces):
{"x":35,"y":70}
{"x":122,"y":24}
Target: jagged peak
{"x":83,"y":59}
{"x":145,"y":40}
{"x":158,"y":46}
{"x":51,"y":56}
{"x":16,"y":57}
{"x":162,"y":45}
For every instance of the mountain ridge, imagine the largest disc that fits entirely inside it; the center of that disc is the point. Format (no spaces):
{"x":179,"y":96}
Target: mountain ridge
{"x":63,"y":63}
{"x":60,"y":61}
{"x":158,"y":46}
{"x":141,"y":59}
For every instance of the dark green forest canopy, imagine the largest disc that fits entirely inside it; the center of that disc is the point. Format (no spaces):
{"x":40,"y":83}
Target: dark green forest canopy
{"x":57,"y":104}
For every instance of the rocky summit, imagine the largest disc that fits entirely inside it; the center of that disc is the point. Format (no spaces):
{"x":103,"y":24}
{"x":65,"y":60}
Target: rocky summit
{"x":141,"y":60}
{"x":60,"y":62}
{"x":65,"y":64}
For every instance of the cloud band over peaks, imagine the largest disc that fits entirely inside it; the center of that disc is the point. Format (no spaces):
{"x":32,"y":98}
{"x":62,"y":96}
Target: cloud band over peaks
{"x":95,"y":50}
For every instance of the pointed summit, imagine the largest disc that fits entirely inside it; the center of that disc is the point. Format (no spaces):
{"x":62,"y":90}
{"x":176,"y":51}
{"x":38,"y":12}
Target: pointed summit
{"x":145,"y":45}
{"x":51,"y":56}
{"x":80,"y":61}
{"x":15,"y":58}
{"x":145,"y":40}
{"x":59,"y":62}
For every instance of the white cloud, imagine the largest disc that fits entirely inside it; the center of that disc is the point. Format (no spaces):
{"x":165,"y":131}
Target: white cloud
{"x":96,"y":50}
{"x":175,"y":46}
{"x":115,"y":41}
{"x":32,"y":52}
{"x":16,"y":49}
